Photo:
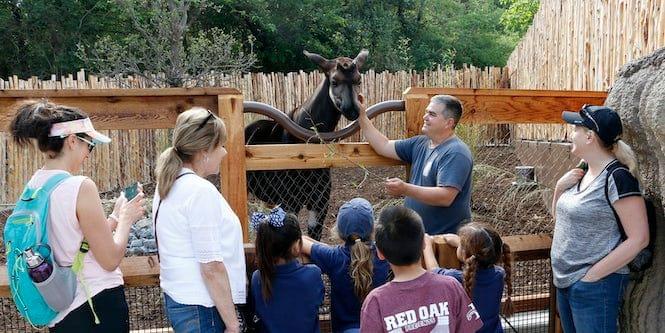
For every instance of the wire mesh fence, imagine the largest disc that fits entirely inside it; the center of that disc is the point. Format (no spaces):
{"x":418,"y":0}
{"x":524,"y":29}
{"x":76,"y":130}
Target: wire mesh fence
{"x":512,"y":182}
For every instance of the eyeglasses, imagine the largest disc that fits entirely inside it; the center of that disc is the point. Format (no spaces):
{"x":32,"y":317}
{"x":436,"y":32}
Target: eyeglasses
{"x":210,"y":116}
{"x":91,"y":145}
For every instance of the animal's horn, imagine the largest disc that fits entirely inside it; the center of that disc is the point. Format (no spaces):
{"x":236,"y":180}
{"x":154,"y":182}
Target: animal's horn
{"x":322,"y":62}
{"x":360,"y":58}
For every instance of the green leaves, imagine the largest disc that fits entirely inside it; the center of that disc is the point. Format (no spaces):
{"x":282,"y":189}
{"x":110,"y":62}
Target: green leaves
{"x":182,"y":38}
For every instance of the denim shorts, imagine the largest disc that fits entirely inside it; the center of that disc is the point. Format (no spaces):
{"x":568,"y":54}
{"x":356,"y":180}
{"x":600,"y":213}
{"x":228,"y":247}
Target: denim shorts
{"x":192,"y":318}
{"x":587,"y":307}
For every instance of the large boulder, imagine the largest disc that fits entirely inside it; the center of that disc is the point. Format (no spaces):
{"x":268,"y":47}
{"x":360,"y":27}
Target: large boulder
{"x":639,"y":97}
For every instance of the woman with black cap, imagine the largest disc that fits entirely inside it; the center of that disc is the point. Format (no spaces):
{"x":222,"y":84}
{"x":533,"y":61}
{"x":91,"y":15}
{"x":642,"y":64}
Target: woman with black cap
{"x":589,"y":251}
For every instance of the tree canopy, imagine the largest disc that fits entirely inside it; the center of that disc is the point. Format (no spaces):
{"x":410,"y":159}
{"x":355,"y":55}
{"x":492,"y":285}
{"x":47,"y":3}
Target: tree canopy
{"x":43,"y":37}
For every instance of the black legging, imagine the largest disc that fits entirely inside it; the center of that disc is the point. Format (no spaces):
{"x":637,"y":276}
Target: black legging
{"x":111,"y":308}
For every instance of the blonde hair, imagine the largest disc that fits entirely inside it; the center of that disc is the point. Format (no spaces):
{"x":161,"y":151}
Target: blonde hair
{"x":622,"y":151}
{"x":626,"y":156}
{"x":361,"y":268}
{"x":195,"y":130}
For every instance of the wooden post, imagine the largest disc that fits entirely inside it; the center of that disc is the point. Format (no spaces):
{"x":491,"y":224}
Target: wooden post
{"x":446,"y":255}
{"x":415,"y":105}
{"x":232,"y":172}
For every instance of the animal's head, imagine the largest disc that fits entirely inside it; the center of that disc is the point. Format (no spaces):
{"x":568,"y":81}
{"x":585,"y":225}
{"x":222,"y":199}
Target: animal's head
{"x":343,"y":76}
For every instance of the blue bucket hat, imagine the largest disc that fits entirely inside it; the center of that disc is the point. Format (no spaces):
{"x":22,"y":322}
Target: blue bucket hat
{"x":355,"y":217}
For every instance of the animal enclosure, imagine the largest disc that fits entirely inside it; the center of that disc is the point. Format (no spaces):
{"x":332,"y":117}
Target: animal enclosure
{"x":150,"y":109}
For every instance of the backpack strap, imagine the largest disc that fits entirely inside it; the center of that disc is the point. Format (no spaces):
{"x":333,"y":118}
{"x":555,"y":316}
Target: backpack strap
{"x":46,"y":189}
{"x":611,"y":167}
{"x":157,"y":214}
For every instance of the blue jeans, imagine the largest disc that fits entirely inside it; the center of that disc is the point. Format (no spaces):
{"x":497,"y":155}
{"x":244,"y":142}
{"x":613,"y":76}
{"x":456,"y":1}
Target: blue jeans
{"x":192,"y":318}
{"x":587,"y":307}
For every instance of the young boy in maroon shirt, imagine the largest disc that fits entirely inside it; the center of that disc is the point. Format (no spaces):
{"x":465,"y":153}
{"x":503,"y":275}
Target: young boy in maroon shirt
{"x":415,"y":300}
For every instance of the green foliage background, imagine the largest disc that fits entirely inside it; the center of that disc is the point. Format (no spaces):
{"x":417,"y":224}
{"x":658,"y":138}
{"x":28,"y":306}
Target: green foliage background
{"x":40,"y":37}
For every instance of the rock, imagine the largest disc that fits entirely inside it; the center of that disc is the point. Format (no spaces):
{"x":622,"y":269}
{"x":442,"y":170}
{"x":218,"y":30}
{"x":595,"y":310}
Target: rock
{"x":136,"y":243}
{"x":150,"y":244}
{"x":639,"y":97}
{"x":142,"y":224}
{"x":145,"y":233}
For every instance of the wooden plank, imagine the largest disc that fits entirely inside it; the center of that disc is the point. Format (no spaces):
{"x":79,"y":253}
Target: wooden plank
{"x":136,"y":271}
{"x":529,"y":247}
{"x":446,"y":255}
{"x":312,"y":156}
{"x":531,"y":302}
{"x":482,"y":106}
{"x":125,"y":112}
{"x":232,"y":171}
{"x":55,"y":93}
{"x":523,"y":248}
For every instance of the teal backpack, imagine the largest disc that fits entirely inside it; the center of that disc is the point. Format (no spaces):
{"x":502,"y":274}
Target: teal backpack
{"x":25,"y":229}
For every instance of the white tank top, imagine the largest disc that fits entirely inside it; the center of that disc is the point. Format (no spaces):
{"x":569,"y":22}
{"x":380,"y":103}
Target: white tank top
{"x":65,"y":236}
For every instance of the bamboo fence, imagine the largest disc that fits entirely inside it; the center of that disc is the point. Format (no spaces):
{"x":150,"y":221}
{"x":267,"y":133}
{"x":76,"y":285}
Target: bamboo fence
{"x":115,"y":165}
{"x":580,"y":45}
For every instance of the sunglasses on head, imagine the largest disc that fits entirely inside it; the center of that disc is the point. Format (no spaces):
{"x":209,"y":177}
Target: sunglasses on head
{"x":205,"y":121}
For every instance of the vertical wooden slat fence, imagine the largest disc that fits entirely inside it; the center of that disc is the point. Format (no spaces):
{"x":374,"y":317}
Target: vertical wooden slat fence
{"x":284,"y":91}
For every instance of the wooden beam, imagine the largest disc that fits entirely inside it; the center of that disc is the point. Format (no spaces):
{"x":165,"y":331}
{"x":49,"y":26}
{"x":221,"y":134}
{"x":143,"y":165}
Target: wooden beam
{"x":530,"y":302}
{"x":486,"y":106}
{"x":120,"y":108}
{"x":523,"y":248}
{"x":529,"y":247}
{"x":232,"y":171}
{"x":136,"y":271}
{"x":55,"y":93}
{"x":312,"y":156}
{"x":133,"y":112}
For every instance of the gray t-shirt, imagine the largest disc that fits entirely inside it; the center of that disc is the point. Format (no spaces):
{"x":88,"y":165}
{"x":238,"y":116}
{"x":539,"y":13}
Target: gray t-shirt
{"x":586,"y":230}
{"x":448,"y":164}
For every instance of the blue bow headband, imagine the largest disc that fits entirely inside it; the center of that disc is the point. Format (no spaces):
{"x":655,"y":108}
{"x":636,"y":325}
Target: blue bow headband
{"x":275,"y":218}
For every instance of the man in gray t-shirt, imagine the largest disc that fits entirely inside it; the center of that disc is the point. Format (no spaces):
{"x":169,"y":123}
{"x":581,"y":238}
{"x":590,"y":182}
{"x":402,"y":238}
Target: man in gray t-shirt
{"x":439,"y":188}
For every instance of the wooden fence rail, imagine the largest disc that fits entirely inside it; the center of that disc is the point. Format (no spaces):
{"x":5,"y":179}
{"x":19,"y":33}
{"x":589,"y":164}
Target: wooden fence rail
{"x":144,"y":271}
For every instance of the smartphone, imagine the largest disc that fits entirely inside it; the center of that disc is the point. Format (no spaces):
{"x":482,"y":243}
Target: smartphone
{"x":583,"y":165}
{"x":131,"y":191}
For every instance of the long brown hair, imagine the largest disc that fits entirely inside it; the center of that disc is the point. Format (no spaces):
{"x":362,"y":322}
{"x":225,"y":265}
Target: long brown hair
{"x":195,"y":130}
{"x":484,"y":248}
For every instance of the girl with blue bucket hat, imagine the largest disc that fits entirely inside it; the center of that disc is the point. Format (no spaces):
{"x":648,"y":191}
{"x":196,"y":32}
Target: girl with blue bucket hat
{"x":353,"y":267}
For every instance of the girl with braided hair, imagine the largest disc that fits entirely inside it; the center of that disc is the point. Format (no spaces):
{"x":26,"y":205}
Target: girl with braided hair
{"x":486,"y":266}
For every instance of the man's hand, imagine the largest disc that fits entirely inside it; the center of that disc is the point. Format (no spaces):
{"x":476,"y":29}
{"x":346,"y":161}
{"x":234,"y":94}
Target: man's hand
{"x":395,"y":187}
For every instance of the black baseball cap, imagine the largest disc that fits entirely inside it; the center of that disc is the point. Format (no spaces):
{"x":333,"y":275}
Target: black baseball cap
{"x":601,"y":119}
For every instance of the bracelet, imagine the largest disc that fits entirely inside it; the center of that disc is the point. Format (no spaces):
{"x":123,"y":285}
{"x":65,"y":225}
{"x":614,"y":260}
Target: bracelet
{"x":113,"y":217}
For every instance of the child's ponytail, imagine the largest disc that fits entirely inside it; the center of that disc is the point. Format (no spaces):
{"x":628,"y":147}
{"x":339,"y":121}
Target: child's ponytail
{"x":361,"y":268}
{"x":507,"y":259}
{"x":469,"y":274}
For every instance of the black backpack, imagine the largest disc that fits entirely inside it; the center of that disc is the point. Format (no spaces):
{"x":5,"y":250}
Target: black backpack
{"x":644,"y":259}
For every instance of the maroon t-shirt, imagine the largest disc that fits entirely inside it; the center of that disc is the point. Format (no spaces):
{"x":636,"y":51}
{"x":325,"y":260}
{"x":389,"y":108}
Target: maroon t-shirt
{"x":429,"y":303}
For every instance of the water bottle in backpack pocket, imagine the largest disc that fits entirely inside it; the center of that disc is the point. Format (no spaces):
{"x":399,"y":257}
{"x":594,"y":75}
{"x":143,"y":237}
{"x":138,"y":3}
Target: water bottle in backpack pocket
{"x":56,"y":284}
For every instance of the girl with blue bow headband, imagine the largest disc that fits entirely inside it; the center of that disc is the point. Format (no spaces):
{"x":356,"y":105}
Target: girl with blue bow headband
{"x":285,"y":293}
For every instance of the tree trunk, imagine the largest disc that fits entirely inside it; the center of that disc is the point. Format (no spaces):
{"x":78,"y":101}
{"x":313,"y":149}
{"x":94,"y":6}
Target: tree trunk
{"x":639,"y":97}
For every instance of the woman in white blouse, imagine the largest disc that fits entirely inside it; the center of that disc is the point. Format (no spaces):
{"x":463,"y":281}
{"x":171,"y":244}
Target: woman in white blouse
{"x":199,"y":237}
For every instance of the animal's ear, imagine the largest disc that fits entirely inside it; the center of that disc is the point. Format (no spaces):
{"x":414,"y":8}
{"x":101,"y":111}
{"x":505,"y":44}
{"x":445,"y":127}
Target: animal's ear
{"x":360,"y":58}
{"x":323,"y":63}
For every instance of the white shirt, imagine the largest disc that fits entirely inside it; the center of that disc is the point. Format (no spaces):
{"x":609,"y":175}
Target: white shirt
{"x":196,"y":225}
